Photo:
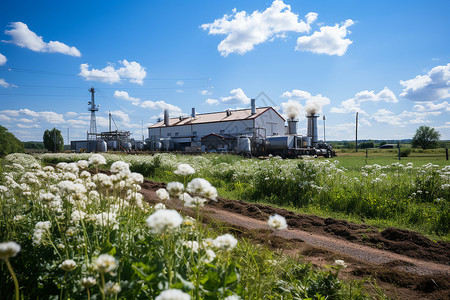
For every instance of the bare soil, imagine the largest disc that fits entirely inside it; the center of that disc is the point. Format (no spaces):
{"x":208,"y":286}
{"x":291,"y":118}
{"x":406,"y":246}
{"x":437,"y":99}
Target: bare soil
{"x":405,"y":264}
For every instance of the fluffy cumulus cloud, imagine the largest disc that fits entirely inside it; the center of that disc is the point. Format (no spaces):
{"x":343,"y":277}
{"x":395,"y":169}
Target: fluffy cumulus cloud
{"x":243,"y":31}
{"x":131,"y":71}
{"x":353,"y":105}
{"x":433,"y":86}
{"x":404,"y":118}
{"x":36,"y":116}
{"x":312,"y":104}
{"x":205,"y":92}
{"x":210,"y":101}
{"x":23,"y":37}
{"x":124,"y":96}
{"x":329,"y":40}
{"x":2,"y":59}
{"x":237,"y":96}
{"x":153,"y":105}
{"x":430,"y":106}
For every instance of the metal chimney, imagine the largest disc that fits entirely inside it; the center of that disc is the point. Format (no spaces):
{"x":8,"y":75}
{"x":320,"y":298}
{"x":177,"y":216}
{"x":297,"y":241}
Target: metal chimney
{"x":253,"y":106}
{"x":166,"y":117}
{"x":193,"y":113}
{"x":292,"y":126}
{"x":312,"y":128}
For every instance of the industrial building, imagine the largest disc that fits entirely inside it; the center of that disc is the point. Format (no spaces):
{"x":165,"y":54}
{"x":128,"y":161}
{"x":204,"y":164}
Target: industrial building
{"x":210,"y":131}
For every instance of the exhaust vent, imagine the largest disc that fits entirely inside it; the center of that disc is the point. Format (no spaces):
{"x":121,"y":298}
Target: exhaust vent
{"x":166,"y":117}
{"x":253,"y":107}
{"x":312,"y":128}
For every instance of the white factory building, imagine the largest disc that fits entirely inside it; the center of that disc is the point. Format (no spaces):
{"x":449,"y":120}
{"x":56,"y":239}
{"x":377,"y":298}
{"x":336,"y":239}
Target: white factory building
{"x":221,"y":127}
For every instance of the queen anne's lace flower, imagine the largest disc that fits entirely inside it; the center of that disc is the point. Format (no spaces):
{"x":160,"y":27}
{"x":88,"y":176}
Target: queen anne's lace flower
{"x":175,"y":188}
{"x":162,"y":194}
{"x":97,"y":159}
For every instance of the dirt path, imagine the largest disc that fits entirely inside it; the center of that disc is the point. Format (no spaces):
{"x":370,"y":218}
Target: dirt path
{"x":406,"y":265}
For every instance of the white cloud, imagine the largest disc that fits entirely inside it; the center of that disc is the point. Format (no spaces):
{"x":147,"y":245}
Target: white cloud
{"x":329,"y":40}
{"x":433,"y":86}
{"x":2,"y":59}
{"x":132,"y":71}
{"x":153,"y":105}
{"x":237,"y":96}
{"x":5,"y":84}
{"x":353,"y":105}
{"x":430,"y":106}
{"x":180,"y":82}
{"x":161,"y":105}
{"x":78,"y":123}
{"x":205,"y":92}
{"x":404,"y":118}
{"x":212,"y":101}
{"x":24,"y":120}
{"x":23,"y":37}
{"x":313,"y":104}
{"x":124,"y":96}
{"x":244,"y":31}
{"x":45,"y":116}
{"x":5,"y":118}
{"x":28,"y":126}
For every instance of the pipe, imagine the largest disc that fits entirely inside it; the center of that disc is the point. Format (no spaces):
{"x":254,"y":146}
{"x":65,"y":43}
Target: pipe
{"x":253,"y":103}
{"x":166,"y":117}
{"x":312,"y":128}
{"x":193,"y":113}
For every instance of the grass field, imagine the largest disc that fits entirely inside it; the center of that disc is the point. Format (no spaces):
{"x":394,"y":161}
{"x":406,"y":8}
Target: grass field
{"x":412,"y":193}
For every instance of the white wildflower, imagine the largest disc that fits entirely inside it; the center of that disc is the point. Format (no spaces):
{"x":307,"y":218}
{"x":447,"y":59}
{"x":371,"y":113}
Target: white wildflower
{"x":209,"y":256}
{"x":112,"y":288}
{"x":159,"y":206}
{"x":184,"y":170}
{"x":225,"y":242}
{"x":232,"y":297}
{"x":193,"y":245}
{"x":83,"y":164}
{"x":68,"y":265}
{"x":88,"y":281}
{"x":162,"y":194}
{"x":105,"y":263}
{"x":340,"y":263}
{"x":277,"y":222}
{"x":163,"y":220}
{"x":97,"y":159}
{"x":120,"y":167}
{"x":173,"y":294}
{"x":9,"y":249}
{"x":175,"y":188}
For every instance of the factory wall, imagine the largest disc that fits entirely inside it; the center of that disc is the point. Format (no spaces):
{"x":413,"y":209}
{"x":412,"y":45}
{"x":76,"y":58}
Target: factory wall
{"x":272,"y":121}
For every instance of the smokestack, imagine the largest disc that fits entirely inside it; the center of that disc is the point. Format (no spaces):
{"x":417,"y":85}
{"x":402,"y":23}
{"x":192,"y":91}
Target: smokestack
{"x":166,"y":117}
{"x":312,"y":127}
{"x":193,"y":113}
{"x":292,"y":126}
{"x":253,"y":106}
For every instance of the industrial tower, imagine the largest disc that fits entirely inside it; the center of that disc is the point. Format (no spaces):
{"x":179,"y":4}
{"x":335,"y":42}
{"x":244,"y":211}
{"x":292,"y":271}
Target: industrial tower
{"x":93,"y":108}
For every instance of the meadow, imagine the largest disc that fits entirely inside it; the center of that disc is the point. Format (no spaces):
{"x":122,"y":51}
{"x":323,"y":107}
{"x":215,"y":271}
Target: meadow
{"x":70,"y":232}
{"x":412,"y":193}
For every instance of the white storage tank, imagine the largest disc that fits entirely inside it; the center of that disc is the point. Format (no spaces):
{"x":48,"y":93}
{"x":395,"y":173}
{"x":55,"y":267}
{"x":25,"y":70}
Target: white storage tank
{"x":102,"y":146}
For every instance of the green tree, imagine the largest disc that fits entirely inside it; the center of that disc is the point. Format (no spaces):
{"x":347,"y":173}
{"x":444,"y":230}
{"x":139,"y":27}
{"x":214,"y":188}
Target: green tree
{"x":425,"y":138}
{"x":53,"y":140}
{"x":8,"y":142}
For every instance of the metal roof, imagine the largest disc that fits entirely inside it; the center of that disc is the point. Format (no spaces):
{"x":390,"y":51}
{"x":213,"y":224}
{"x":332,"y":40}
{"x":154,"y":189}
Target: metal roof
{"x":236,"y":115}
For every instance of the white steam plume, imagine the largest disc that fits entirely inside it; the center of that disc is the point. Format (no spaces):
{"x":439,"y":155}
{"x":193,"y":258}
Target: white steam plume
{"x":314,"y":104}
{"x":292,"y":109}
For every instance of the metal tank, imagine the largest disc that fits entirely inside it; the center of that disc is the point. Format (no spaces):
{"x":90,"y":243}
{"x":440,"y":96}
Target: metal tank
{"x":292,"y":126}
{"x":102,"y":146}
{"x":280,"y":142}
{"x":138,"y":145}
{"x":126,"y":146}
{"x":312,"y":128}
{"x":112,"y":145}
{"x":244,"y":145}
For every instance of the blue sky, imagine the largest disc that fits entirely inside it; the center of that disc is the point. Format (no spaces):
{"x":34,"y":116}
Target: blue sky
{"x":387,"y":60}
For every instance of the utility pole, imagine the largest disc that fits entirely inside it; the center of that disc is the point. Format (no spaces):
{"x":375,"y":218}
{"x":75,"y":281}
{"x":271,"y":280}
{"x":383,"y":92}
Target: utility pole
{"x":93,"y":108}
{"x":324,"y":139}
{"x":356,"y":139}
{"x":54,"y":139}
{"x":142,"y":124}
{"x":68,"y":139}
{"x":109,"y":121}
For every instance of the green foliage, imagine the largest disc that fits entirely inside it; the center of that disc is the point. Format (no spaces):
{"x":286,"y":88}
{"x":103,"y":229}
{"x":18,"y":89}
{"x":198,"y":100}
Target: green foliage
{"x":405,"y":152}
{"x":53,"y":140}
{"x":365,"y":145}
{"x":34,"y":145}
{"x":9,"y":143}
{"x":425,"y":138}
